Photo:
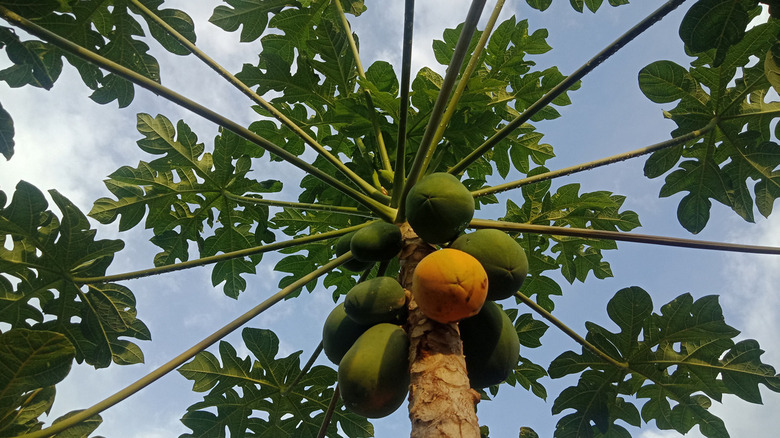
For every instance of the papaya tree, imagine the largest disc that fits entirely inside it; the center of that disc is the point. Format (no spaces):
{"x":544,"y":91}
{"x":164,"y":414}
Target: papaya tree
{"x":351,"y":186}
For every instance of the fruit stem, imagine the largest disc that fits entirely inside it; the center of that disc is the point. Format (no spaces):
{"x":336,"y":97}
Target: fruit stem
{"x":186,"y":355}
{"x":314,"y":144}
{"x":597,"y":163}
{"x":406,"y":74}
{"x":474,"y":60}
{"x":217,"y":258}
{"x":569,"y":332}
{"x":461,"y":49}
{"x":208,"y":114}
{"x":625,"y":237}
{"x":564,"y":85}
{"x":369,"y":101}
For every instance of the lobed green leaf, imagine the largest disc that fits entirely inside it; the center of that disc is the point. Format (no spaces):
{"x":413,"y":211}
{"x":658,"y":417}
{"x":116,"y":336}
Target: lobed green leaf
{"x":670,"y":358}
{"x":268,"y":403}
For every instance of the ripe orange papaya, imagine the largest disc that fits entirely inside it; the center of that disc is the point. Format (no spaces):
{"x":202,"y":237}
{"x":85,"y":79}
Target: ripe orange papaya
{"x":490,"y":344}
{"x":502,"y":257}
{"x":380,"y":299}
{"x":377,"y":242}
{"x":449,"y":285}
{"x":339,"y":333}
{"x":439,"y":207}
{"x":374,"y":374}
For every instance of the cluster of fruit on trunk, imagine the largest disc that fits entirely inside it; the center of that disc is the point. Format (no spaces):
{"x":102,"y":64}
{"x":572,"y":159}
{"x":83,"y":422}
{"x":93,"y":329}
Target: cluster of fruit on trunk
{"x":459,"y":282}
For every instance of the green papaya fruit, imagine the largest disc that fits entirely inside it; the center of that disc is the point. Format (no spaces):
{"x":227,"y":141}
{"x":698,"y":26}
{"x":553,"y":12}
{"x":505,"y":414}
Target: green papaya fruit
{"x":380,"y":299}
{"x":490,"y":344}
{"x":339,"y":333}
{"x":502,"y":257}
{"x":343,"y":245}
{"x":377,"y":242}
{"x":374,"y":374}
{"x":439,"y":207}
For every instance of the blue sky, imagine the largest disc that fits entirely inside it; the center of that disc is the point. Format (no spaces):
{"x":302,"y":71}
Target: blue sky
{"x":66,"y":141}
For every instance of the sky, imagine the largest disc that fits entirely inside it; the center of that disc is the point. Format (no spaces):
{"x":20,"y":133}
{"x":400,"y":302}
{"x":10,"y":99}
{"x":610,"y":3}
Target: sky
{"x":66,"y":141}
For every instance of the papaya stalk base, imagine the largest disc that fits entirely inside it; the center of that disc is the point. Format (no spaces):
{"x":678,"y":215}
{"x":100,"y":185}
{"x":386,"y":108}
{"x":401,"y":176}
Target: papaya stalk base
{"x":441,"y":401}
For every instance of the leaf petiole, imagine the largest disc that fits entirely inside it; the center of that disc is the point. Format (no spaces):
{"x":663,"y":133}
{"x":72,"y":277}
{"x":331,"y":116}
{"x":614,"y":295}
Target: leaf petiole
{"x":314,"y":144}
{"x":168,"y":94}
{"x":354,"y":211}
{"x":406,"y":73}
{"x":597,"y":163}
{"x":625,"y":237}
{"x":474,"y":59}
{"x":369,"y":101}
{"x":219,"y":257}
{"x":564,"y":85}
{"x":569,"y":332}
{"x":186,"y":355}
{"x":461,"y":48}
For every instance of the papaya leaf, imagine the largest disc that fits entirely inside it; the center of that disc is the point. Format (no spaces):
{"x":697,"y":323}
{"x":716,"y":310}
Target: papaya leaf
{"x":576,"y":257}
{"x":33,"y":361}
{"x":671,"y":357}
{"x":35,"y":63}
{"x":46,"y":260}
{"x":539,"y":4}
{"x":6,"y":134}
{"x":529,"y":330}
{"x":250,"y":15}
{"x":504,"y":81}
{"x":82,"y":429}
{"x":25,"y":418}
{"x":297,"y":265}
{"x":187,"y":191}
{"x":256,"y":396}
{"x":176,"y":19}
{"x":725,"y":162}
{"x":338,"y":63}
{"x":527,"y":432}
{"x":32,"y":10}
{"x":716,"y":24}
{"x":593,"y":5}
{"x":102,"y":27}
{"x":527,"y":375}
{"x":772,"y":66}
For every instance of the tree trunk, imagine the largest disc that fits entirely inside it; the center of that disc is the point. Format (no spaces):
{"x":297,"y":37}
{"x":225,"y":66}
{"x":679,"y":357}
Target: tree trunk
{"x":441,"y":402}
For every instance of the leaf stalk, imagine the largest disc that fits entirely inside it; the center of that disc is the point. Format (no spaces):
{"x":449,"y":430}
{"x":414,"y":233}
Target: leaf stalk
{"x":453,"y":70}
{"x":329,"y":412}
{"x":625,"y":237}
{"x":474,"y":60}
{"x":304,"y":370}
{"x":369,"y":101}
{"x":597,"y":163}
{"x":314,"y":144}
{"x":354,"y":211}
{"x":564,"y":85}
{"x":168,"y":94}
{"x":218,"y":258}
{"x":569,"y":332}
{"x":188,"y":354}
{"x":406,"y":74}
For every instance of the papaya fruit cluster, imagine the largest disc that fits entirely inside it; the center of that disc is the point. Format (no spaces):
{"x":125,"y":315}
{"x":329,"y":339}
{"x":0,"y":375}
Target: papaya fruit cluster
{"x":461,"y":282}
{"x":457,"y":283}
{"x":363,"y":337}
